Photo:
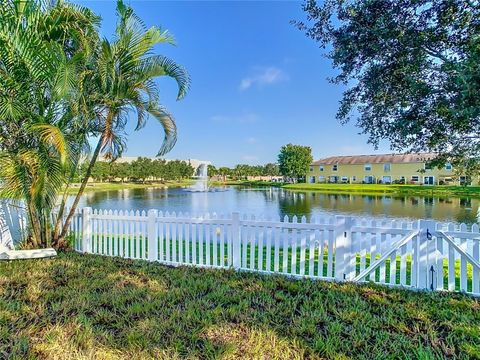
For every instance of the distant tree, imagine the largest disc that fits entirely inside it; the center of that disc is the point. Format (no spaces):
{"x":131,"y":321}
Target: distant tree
{"x":212,"y":170}
{"x":294,"y":161}
{"x":141,"y":168}
{"x":241,"y":171}
{"x":271,"y":170}
{"x":186,"y":170}
{"x":159,"y":169}
{"x":101,"y":171}
{"x":224,"y":172}
{"x":410,"y":68}
{"x":120,"y":171}
{"x":468,"y":169}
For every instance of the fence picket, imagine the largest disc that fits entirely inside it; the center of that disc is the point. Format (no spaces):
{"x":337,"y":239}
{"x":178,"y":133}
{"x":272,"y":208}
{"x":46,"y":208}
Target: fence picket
{"x":463,"y":260}
{"x":364,"y":240}
{"x":180,"y":239}
{"x":303,"y":247}
{"x":268,"y":263}
{"x":201,"y":234}
{"x":161,"y":237}
{"x":320,"y":237}
{"x":220,"y":232}
{"x":476,"y":256}
{"x":285,"y":250}
{"x":451,"y":263}
{"x":260,"y":250}
{"x":276,"y":261}
{"x":167,"y":238}
{"x":311,"y":253}
{"x":174,"y":242}
{"x":373,"y":249}
{"x":207,"y":241}
{"x":439,"y":264}
{"x":244,"y":233}
{"x":194,"y":245}
{"x":293,"y":246}
{"x":331,"y":236}
{"x":252,"y":231}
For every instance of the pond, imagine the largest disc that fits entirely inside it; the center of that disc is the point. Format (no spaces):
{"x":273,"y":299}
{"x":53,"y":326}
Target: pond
{"x":280,"y":202}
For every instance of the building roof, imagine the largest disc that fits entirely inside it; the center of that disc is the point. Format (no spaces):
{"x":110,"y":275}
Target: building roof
{"x":376,"y":159}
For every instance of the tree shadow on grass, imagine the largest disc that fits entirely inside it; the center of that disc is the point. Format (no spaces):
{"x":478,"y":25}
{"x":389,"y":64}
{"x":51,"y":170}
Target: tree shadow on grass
{"x":96,"y":307}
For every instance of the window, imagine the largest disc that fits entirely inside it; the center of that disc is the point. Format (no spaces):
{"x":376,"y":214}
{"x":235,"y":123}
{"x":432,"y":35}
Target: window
{"x":387,"y":167}
{"x":368,"y":180}
{"x":415,"y":178}
{"x":344,"y":179}
{"x":322,"y":168}
{"x":335,"y":167}
{"x":448,"y":166}
{"x":354,"y":178}
{"x":311,"y":168}
{"x":428,"y":166}
{"x":321,"y":179}
{"x":368,"y":167}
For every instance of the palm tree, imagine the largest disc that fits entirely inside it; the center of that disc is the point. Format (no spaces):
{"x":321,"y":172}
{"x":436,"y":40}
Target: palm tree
{"x":42,"y":49}
{"x":121,"y":79}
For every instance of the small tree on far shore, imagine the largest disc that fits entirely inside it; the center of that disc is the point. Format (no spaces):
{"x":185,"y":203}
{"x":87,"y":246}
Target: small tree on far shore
{"x":294,"y":161}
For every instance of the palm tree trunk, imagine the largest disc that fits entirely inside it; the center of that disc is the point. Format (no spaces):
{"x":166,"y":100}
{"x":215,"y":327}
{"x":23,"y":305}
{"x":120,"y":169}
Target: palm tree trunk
{"x":69,"y":218}
{"x":58,"y":220}
{"x":34,"y":225}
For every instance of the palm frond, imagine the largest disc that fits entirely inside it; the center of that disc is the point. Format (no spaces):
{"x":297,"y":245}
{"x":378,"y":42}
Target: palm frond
{"x":169,"y":127}
{"x":53,"y":136}
{"x":160,"y":65}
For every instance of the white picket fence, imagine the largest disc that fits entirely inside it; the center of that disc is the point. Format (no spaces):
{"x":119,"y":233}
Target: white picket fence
{"x":418,"y":254}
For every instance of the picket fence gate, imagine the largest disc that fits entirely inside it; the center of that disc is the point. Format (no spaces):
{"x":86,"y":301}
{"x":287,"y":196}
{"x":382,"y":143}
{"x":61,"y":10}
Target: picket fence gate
{"x":422,"y":254}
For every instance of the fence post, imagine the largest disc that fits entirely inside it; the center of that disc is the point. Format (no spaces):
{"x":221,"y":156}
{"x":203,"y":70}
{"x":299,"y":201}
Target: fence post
{"x":236,"y":251}
{"x":349,"y":256}
{"x":86,"y":230}
{"x":340,"y":248}
{"x":424,"y":258}
{"x":152,"y":235}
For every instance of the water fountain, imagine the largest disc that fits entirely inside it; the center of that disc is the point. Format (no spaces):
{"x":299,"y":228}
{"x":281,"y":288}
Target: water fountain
{"x":201,"y":176}
{"x":201,"y":184}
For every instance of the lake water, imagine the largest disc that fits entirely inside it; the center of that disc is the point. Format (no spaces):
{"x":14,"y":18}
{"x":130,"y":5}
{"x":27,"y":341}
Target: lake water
{"x":274,"y":201}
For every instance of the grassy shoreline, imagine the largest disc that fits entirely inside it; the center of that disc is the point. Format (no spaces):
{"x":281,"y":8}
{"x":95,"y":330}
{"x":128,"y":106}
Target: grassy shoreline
{"x":395,"y":190}
{"x":109,"y":186}
{"x":87,"y":306}
{"x":353,"y":189}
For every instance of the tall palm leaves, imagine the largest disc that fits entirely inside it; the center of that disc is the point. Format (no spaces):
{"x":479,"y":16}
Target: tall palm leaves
{"x":42,"y":45}
{"x":121,"y":80}
{"x":61,"y":85}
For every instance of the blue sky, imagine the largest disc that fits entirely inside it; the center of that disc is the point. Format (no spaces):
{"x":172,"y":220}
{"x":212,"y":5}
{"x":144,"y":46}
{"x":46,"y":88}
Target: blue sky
{"x":257,"y":83}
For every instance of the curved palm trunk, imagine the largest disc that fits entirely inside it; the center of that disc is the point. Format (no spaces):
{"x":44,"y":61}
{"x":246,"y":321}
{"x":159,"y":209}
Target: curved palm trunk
{"x":58,"y":220}
{"x":34,"y":225}
{"x":69,"y":218}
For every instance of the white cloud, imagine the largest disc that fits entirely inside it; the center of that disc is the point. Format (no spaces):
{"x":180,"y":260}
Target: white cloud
{"x":251,"y":140}
{"x":262,"y":77}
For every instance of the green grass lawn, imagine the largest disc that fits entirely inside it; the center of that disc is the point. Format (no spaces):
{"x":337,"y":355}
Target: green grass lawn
{"x":107,"y":186}
{"x":378,"y":189}
{"x":86,"y":306}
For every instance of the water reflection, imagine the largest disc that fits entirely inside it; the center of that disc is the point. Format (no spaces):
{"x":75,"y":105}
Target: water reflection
{"x":279,"y":202}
